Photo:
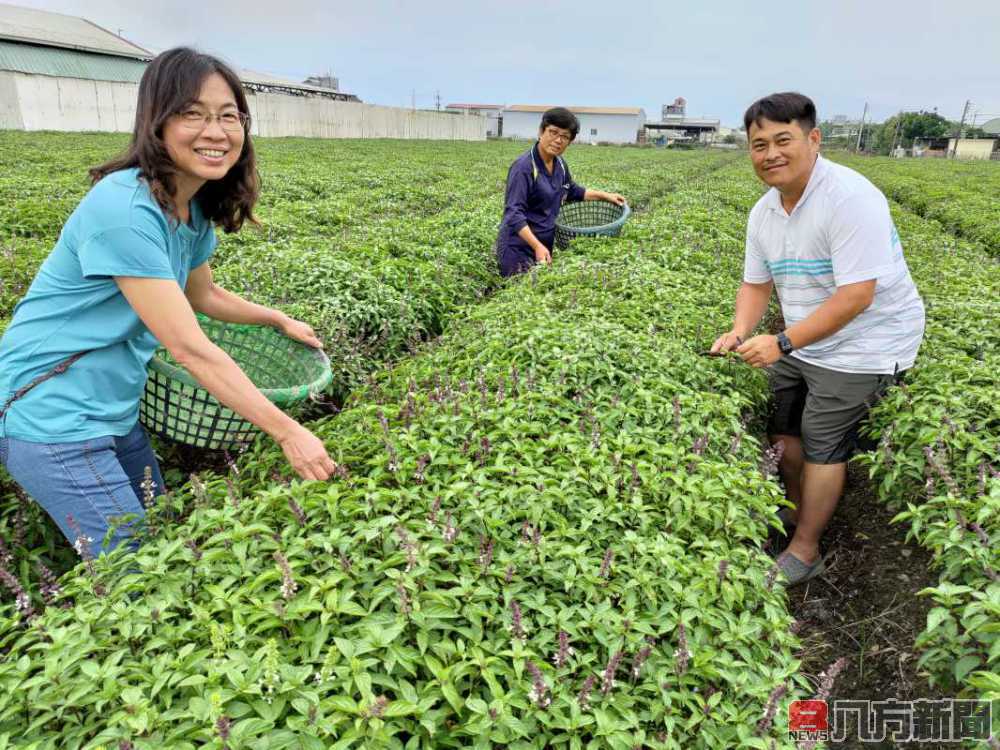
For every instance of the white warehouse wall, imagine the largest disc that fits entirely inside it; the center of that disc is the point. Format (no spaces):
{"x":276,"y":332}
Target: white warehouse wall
{"x":36,"y":102}
{"x":49,"y":103}
{"x":10,"y":109}
{"x":283,"y":115}
{"x":970,"y":148}
{"x":610,"y":128}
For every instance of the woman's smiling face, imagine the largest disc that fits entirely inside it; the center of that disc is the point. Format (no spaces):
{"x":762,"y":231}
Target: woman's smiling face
{"x":203,"y":152}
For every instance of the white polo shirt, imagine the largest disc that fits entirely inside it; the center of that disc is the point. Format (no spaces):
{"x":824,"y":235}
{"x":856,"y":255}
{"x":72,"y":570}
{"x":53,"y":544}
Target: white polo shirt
{"x":840,"y":232}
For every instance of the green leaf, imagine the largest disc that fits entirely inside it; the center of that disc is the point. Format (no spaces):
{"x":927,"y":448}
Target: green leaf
{"x":936,"y":616}
{"x":452,"y":696}
{"x":965,"y":665}
{"x":343,"y":703}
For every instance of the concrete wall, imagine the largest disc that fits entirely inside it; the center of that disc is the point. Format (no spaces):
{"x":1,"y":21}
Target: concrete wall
{"x":34,"y":102}
{"x":282,"y":115}
{"x":10,"y":110}
{"x":610,"y":128}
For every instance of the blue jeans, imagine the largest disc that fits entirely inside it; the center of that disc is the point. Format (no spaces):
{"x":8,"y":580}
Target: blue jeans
{"x":93,"y":481}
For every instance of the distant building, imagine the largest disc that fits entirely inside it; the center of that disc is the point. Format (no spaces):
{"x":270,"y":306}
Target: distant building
{"x":840,"y":127}
{"x":492,"y":112}
{"x":737,"y":135}
{"x":675,"y":110}
{"x":255,"y":81}
{"x":325,"y":81}
{"x":597,"y":124}
{"x":930,"y":147}
{"x":60,"y":72}
{"x":973,"y":148}
{"x":675,"y":126}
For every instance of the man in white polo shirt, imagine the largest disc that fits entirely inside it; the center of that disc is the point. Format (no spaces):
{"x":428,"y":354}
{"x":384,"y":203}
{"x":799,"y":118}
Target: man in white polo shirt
{"x":823,"y":237}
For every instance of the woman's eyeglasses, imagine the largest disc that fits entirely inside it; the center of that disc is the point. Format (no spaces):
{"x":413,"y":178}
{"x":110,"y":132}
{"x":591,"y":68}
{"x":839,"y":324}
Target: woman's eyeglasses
{"x":558,"y":135}
{"x":231,"y":122}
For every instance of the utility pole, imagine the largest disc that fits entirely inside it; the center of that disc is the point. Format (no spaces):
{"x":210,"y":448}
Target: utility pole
{"x":961,"y":124}
{"x":437,"y":99}
{"x":895,"y":133}
{"x":413,"y":99}
{"x":861,"y":129}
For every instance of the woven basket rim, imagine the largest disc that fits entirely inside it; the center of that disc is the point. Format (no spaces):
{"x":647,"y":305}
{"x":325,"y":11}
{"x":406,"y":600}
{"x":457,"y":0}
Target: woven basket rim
{"x":626,"y":212}
{"x":278,"y":396}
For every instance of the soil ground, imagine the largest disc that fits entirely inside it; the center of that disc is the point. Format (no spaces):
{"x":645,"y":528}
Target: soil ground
{"x":865,"y":607}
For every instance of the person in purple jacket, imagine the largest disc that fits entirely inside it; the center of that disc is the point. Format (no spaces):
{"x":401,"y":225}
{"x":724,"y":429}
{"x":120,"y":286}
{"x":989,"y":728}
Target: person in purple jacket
{"x":537,"y":184}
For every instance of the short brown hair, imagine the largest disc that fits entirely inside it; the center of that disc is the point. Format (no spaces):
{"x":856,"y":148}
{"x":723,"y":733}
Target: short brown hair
{"x":788,"y":106}
{"x":170,"y":82}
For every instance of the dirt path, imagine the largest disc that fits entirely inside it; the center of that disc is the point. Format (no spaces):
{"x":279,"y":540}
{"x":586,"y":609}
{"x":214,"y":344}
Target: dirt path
{"x":866,"y":607}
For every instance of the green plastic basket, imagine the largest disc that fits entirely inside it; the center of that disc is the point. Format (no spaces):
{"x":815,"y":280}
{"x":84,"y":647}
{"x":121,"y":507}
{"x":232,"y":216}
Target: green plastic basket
{"x":589,"y":219}
{"x":175,"y":407}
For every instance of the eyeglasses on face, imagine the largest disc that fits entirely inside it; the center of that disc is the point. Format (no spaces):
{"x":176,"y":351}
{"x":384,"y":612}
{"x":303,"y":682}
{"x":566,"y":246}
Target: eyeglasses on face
{"x":558,"y":135}
{"x":231,"y":122}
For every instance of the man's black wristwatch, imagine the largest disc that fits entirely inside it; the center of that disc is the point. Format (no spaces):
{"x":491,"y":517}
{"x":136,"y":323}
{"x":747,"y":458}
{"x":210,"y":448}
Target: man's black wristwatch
{"x":784,"y":344}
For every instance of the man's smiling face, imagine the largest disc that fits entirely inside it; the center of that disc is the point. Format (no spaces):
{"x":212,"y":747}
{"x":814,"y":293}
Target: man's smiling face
{"x":782,"y":152}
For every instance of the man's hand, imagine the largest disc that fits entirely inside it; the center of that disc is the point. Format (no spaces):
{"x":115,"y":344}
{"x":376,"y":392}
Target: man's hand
{"x":542,"y":255}
{"x":760,"y":351}
{"x":726,"y":342}
{"x":296,"y":329}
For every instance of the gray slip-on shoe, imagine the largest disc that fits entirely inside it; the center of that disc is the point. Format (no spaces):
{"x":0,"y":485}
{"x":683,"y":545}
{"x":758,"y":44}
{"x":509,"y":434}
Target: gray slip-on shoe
{"x":796,"y":571}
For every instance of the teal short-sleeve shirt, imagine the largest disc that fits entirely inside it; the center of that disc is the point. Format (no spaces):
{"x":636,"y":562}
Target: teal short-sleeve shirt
{"x":74,"y":305}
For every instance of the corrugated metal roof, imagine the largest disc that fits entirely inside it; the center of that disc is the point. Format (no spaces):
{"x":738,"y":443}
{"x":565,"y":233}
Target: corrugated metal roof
{"x":992,"y":126}
{"x":68,"y":63}
{"x":58,"y":30}
{"x":577,"y":110}
{"x":56,"y":61}
{"x":268,"y":79}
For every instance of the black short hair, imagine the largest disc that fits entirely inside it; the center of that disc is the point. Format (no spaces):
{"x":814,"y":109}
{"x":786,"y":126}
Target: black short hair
{"x":561,"y":118}
{"x":788,"y":106}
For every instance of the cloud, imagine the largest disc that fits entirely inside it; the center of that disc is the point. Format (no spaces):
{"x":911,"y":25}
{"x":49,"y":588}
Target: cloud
{"x":719,"y":56}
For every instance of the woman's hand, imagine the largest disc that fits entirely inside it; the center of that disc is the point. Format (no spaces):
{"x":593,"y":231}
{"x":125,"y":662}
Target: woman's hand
{"x":307,"y":454}
{"x":296,"y":329}
{"x":542,"y":255}
{"x":618,"y":200}
{"x":163,"y":307}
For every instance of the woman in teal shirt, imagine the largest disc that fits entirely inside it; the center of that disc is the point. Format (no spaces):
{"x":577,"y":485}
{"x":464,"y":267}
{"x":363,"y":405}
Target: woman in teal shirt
{"x":129,"y":271}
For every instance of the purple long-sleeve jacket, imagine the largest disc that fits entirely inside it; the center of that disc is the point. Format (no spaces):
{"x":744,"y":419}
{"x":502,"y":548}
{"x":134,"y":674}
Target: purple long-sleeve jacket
{"x":533,"y":200}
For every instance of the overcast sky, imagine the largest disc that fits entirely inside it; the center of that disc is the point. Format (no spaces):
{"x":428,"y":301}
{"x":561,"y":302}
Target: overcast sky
{"x":893,"y":54}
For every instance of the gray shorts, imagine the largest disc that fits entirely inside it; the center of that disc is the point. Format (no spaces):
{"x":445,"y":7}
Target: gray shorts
{"x":823,"y":407}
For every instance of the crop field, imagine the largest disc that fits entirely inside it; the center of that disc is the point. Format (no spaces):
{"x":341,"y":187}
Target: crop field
{"x":960,"y":195}
{"x":548,"y":525}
